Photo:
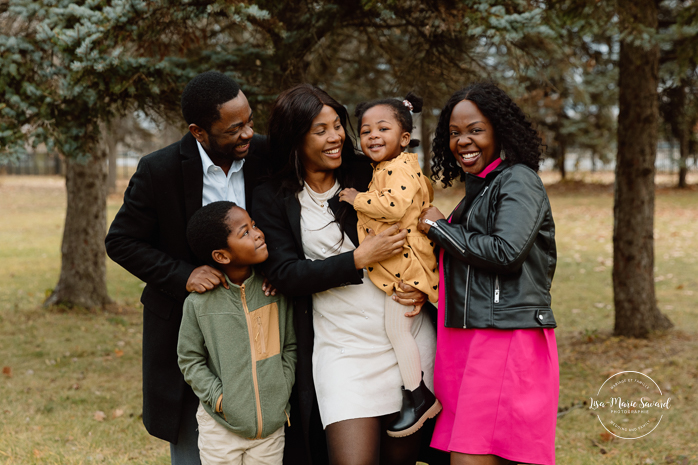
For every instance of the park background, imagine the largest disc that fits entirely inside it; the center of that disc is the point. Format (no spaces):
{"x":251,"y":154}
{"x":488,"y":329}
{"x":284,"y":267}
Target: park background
{"x":86,"y":88}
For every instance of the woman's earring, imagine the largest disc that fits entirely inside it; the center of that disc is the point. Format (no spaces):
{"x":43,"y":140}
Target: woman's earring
{"x":502,"y":154}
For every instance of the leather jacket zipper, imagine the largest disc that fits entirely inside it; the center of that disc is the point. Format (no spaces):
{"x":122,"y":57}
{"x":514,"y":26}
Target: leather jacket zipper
{"x":253,"y":356}
{"x":467,"y":273}
{"x":496,"y":289}
{"x":450,"y":238}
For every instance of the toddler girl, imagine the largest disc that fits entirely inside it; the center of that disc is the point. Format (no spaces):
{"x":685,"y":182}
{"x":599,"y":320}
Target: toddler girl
{"x":397,"y":193}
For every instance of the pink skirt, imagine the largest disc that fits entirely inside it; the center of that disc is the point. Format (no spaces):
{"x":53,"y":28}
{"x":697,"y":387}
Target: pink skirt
{"x":499,"y":390}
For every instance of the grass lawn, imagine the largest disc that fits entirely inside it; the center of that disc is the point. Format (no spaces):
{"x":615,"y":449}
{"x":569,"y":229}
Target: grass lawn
{"x":70,"y":391}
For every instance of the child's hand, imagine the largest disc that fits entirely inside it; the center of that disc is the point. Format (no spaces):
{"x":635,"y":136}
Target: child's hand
{"x":348,"y":195}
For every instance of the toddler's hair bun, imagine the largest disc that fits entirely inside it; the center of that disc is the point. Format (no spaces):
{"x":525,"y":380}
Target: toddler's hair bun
{"x":416,"y":101}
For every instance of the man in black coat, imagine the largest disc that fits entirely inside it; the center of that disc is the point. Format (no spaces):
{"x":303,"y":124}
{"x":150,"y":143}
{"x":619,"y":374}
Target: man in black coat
{"x":220,"y":158}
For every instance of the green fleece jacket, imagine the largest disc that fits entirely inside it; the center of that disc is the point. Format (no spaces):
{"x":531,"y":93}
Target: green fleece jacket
{"x":240,"y":343}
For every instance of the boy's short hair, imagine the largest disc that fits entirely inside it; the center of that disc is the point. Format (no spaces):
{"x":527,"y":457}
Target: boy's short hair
{"x":208,"y":231}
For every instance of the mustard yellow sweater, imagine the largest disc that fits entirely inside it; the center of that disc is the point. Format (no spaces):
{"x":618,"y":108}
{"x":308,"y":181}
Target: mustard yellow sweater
{"x":397,"y":193}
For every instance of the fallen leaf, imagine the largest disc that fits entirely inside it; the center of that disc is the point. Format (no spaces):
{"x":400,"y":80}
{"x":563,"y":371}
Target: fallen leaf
{"x":38,"y":453}
{"x":75,"y":387}
{"x":118,"y":352}
{"x":606,"y":437}
{"x":117,"y":413}
{"x":7,"y":371}
{"x":99,"y":415}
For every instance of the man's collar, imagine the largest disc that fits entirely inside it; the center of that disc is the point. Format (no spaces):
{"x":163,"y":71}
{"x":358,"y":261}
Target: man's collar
{"x":207,"y":162}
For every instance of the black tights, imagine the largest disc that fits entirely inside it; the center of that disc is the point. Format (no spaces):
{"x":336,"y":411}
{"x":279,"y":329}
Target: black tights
{"x":364,"y":441}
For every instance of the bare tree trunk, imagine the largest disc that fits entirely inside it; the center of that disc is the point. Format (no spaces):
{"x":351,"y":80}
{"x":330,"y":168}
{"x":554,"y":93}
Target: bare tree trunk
{"x":636,"y":311}
{"x":82,"y":281}
{"x":592,"y":155}
{"x":683,"y":158}
{"x":684,"y":134}
{"x":561,"y":149}
{"x":110,"y":141}
{"x":426,"y":144}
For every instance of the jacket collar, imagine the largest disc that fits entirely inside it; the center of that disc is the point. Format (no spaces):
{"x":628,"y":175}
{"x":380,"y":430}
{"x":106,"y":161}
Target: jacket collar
{"x":474,"y":186}
{"x":193,"y":171}
{"x":192,"y":174}
{"x":293,"y":210}
{"x":246,"y":283}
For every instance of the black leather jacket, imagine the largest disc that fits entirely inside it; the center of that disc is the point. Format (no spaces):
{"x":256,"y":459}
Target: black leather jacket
{"x":500,"y":252}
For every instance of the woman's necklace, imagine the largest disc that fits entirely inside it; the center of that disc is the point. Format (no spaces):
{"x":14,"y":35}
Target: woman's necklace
{"x":321,"y":199}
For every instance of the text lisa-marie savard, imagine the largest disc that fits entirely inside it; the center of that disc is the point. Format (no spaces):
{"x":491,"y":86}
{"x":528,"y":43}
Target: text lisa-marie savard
{"x":630,"y":405}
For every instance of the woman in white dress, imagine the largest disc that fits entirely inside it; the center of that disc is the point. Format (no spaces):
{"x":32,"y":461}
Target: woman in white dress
{"x":347,"y":379}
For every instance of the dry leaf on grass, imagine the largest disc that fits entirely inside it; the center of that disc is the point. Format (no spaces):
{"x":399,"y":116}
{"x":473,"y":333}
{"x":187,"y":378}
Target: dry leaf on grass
{"x":99,"y":415}
{"x":7,"y":371}
{"x":118,"y":352}
{"x":117,"y":413}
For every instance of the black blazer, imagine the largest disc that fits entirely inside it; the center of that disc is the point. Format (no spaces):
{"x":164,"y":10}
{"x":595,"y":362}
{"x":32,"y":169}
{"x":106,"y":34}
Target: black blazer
{"x":148,"y":238}
{"x":278,"y":214}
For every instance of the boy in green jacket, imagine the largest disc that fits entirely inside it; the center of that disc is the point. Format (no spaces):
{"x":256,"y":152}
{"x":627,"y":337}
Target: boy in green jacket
{"x":236,"y":347}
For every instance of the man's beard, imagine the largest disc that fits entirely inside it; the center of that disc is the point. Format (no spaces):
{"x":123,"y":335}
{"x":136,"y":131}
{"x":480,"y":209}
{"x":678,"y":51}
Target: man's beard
{"x":219,"y":152}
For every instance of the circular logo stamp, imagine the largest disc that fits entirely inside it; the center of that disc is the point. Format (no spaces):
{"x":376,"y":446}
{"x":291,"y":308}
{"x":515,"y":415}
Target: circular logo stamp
{"x":630,"y":405}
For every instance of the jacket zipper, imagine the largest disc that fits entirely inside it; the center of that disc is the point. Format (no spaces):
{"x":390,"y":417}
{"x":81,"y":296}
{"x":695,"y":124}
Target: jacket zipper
{"x":253,"y":355}
{"x":467,"y":273}
{"x":450,"y":238}
{"x":496,"y":289}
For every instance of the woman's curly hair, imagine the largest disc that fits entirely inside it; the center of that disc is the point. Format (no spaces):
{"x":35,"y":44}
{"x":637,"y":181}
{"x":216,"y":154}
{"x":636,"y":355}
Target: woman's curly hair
{"x":513,"y":132}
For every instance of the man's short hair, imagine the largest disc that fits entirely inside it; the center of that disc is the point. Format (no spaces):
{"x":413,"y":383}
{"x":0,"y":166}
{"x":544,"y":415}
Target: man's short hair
{"x":203,"y":97}
{"x":207,"y":230}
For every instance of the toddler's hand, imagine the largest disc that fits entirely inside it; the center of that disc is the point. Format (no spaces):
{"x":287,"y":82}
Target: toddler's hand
{"x":348,"y":195}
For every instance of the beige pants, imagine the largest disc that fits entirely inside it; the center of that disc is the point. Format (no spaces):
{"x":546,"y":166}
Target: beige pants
{"x":218,"y":445}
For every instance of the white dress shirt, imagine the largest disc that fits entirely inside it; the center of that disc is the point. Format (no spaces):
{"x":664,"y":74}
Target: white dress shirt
{"x":218,"y":186}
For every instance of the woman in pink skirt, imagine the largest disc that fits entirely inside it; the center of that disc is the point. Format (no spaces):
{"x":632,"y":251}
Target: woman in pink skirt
{"x":496,"y":370}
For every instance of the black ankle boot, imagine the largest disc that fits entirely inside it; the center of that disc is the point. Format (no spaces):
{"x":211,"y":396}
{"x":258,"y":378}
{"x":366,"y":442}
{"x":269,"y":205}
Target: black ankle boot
{"x":417,"y":407}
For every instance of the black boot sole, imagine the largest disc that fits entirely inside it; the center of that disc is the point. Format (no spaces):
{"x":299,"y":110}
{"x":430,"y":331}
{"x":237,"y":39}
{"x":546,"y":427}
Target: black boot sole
{"x":430,"y":413}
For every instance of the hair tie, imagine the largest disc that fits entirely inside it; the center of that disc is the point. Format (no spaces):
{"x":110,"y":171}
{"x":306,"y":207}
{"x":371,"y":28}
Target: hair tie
{"x":408,"y":104}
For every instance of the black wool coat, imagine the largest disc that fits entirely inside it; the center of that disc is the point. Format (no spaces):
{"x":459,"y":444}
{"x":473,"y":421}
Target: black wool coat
{"x":148,"y":239}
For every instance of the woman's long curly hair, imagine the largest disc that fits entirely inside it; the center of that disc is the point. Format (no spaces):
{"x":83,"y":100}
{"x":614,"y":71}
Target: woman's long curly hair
{"x":513,"y":131}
